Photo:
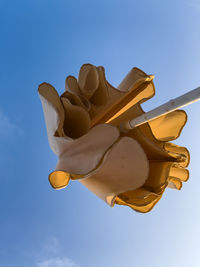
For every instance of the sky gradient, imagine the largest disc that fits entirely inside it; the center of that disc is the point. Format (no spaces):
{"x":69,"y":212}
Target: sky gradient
{"x":44,"y":41}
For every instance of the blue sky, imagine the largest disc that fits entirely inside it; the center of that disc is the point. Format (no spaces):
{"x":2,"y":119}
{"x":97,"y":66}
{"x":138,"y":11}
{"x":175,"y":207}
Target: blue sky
{"x":46,"y":41}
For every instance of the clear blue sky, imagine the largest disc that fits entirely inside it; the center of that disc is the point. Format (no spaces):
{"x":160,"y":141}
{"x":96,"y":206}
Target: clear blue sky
{"x":46,"y":41}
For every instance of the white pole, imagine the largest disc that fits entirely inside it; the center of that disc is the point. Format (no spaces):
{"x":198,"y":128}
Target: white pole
{"x":166,"y":108}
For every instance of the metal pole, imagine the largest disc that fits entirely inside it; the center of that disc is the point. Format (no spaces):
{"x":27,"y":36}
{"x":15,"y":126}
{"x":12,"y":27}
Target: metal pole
{"x":166,"y":108}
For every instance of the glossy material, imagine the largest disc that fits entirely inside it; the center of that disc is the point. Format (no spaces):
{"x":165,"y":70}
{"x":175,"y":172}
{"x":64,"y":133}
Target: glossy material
{"x":132,"y":168}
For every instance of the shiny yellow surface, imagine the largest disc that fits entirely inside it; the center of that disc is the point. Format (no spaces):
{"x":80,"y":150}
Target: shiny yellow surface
{"x":91,"y":100}
{"x":59,"y":179}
